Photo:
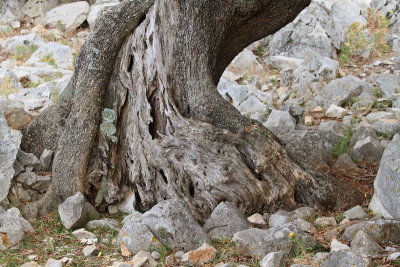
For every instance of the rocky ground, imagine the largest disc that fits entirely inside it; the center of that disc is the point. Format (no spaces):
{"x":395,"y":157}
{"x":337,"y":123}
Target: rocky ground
{"x":327,"y":85}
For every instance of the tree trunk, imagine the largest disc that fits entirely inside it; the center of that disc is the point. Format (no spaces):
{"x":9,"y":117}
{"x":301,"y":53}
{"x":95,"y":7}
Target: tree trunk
{"x":142,"y":110}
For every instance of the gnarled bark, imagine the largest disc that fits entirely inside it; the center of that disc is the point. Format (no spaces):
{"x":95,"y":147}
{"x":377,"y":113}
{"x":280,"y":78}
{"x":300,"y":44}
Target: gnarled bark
{"x":142,"y":110}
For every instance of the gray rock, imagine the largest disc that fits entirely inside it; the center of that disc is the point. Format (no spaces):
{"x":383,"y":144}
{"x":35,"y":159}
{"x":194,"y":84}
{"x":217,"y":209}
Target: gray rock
{"x":337,"y":245}
{"x":29,"y":160}
{"x":282,"y":62}
{"x":340,"y":91}
{"x":246,"y":64}
{"x":225,"y":221}
{"x":310,"y":148}
{"x":274,"y":259}
{"x":393,"y":256}
{"x":346,"y":258}
{"x":96,"y":9}
{"x":9,"y":144}
{"x":280,"y":122}
{"x":31,"y":264}
{"x":257,"y":242}
{"x":54,"y":263}
{"x":354,"y":213}
{"x":52,"y":54}
{"x":46,"y":159}
{"x":384,"y":122}
{"x":320,"y":257}
{"x":303,"y":213}
{"x":293,"y":107}
{"x":90,"y":251}
{"x":156,"y":255}
{"x":345,"y":165}
{"x":365,"y":145}
{"x":23,"y":44}
{"x":135,"y":236}
{"x":336,"y":112}
{"x":12,"y":228}
{"x":386,"y":199}
{"x":381,"y":231}
{"x":75,"y":211}
{"x":363,"y":243}
{"x":346,"y":12}
{"x":389,"y":84}
{"x":9,"y":81}
{"x":312,"y":32}
{"x":325,"y":221}
{"x":303,"y":226}
{"x":173,"y":225}
{"x":71,"y":16}
{"x":106,"y":223}
{"x":280,"y":218}
{"x":143,"y":259}
{"x":251,"y":105}
{"x":83,"y":234}
{"x":33,"y":181}
{"x":36,"y":8}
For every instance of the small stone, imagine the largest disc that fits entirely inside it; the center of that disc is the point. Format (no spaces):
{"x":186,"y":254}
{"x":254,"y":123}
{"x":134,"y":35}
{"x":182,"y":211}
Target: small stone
{"x":320,"y":257}
{"x":318,"y":109}
{"x":31,"y":264}
{"x":143,"y":259}
{"x":179,"y":254}
{"x":346,"y":258}
{"x":106,"y":223}
{"x":113,"y":209}
{"x":46,"y":159}
{"x":325,"y":221}
{"x":280,"y":218}
{"x":222,"y":264}
{"x":394,"y":256}
{"x":363,"y":243}
{"x":391,"y":249}
{"x":225,"y":220}
{"x":203,"y":254}
{"x":67,"y":260}
{"x":308,"y":120}
{"x":336,"y":112}
{"x":256,"y":219}
{"x":274,"y":259}
{"x":355,"y":213}
{"x":336,"y":245}
{"x":33,"y":257}
{"x":75,"y":211}
{"x":82,"y":233}
{"x":89,"y":251}
{"x":155,"y":255}
{"x":54,"y":263}
{"x":304,"y":213}
{"x":303,"y":226}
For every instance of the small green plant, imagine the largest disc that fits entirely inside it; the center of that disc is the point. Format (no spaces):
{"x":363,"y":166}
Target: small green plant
{"x":376,"y":92}
{"x":7,"y":87}
{"x":298,"y":249}
{"x":342,"y":146}
{"x":60,"y":25}
{"x":360,"y":37}
{"x":23,"y":52}
{"x":388,"y":136}
{"x":49,"y":59}
{"x":339,"y":218}
{"x":260,"y":51}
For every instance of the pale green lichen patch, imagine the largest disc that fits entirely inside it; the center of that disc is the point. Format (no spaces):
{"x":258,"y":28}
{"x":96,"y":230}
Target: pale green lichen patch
{"x":107,"y":127}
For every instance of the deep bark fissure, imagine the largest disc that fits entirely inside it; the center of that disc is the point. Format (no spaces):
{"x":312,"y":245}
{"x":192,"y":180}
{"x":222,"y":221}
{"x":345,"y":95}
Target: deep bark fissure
{"x":175,"y":135}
